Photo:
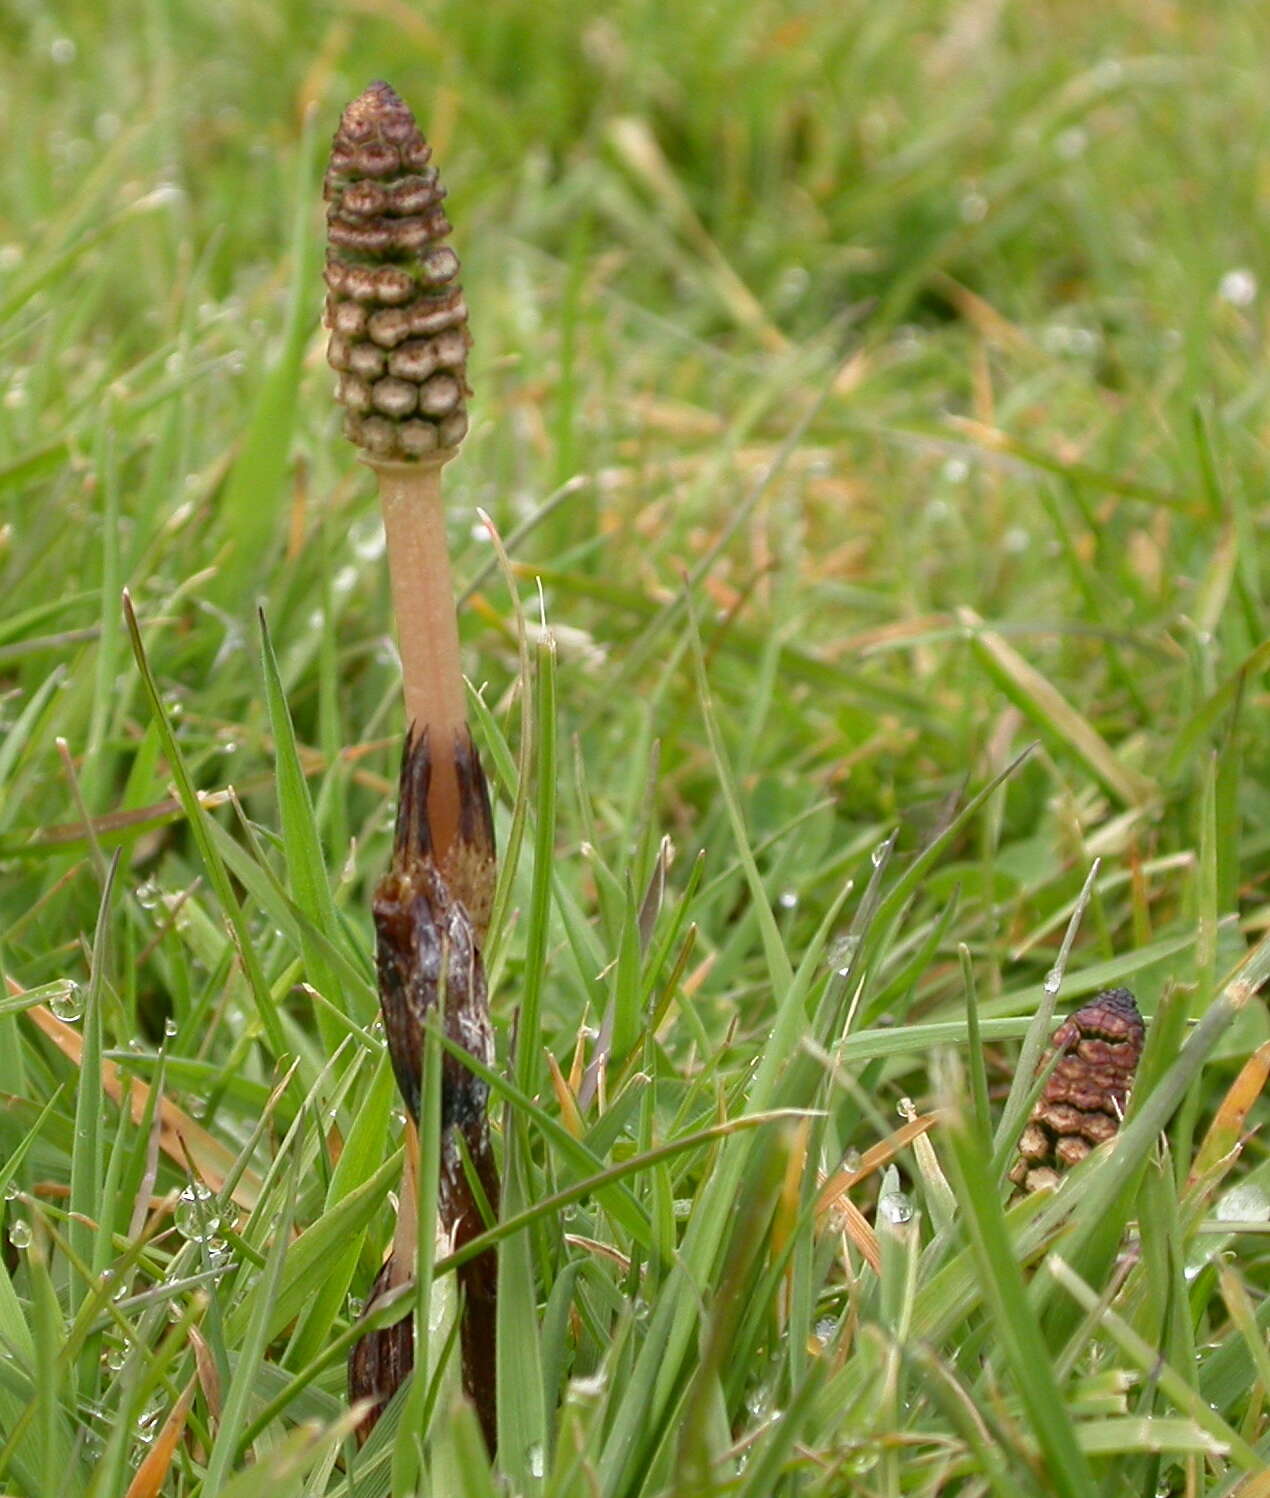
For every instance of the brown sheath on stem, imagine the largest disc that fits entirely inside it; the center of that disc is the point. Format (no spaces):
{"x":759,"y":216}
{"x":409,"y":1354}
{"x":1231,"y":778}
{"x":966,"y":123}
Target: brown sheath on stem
{"x":430,"y":919}
{"x":1082,"y":1103}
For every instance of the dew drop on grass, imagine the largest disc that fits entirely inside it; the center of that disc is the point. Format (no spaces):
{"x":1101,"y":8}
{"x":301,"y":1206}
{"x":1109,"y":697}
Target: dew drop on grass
{"x":148,"y":1423}
{"x":367,"y":539}
{"x":843,"y":952}
{"x":148,"y":895}
{"x":1053,"y":982}
{"x":67,"y":1001}
{"x":10,"y":1190}
{"x":195,"y":1216}
{"x":788,"y":899}
{"x":1238,"y":287}
{"x":169,"y":1027}
{"x":894,"y":1207}
{"x":536,"y":1459}
{"x":879,"y":853}
{"x":759,"y":1401}
{"x":20,"y":1233}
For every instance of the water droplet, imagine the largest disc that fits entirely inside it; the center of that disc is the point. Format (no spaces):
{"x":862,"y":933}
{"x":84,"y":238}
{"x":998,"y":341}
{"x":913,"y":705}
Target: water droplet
{"x":217,"y":1252}
{"x":880,"y":853}
{"x":116,"y":1357}
{"x":788,"y":899}
{"x":682,"y":1208}
{"x":861,"y":1463}
{"x":20,"y":1234}
{"x":148,"y":1423}
{"x":954,"y":471}
{"x":169,"y":1027}
{"x":62,"y":50}
{"x":851,"y":1161}
{"x":759,"y":1401}
{"x":894,"y":1207}
{"x":1053,"y":982}
{"x":905,"y":1108}
{"x":10,"y":1191}
{"x":537,"y":1459}
{"x":1238,"y":287}
{"x":367,"y":539}
{"x":67,"y":1001}
{"x":826,"y":1328}
{"x":356,"y":1305}
{"x":843,"y":952}
{"x":148,"y":895}
{"x":196,"y":1217}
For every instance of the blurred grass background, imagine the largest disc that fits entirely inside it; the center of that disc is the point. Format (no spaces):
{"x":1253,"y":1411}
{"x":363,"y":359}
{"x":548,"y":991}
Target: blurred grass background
{"x":1001,"y":271}
{"x":926,"y":339}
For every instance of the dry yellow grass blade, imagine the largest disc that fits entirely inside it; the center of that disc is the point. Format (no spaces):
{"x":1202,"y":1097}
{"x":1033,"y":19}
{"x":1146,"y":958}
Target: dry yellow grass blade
{"x":1041,"y":701}
{"x":881,"y":1154}
{"x":180,"y":1138}
{"x":570,"y":1117}
{"x":150,"y":1475}
{"x":1221,"y":1143}
{"x":207,"y":1372}
{"x":852,"y":1222}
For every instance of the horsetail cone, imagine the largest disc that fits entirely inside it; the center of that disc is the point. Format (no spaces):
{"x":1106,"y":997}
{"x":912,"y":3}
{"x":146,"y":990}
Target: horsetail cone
{"x":399,"y":343}
{"x":1083,"y":1101}
{"x":395,"y":310}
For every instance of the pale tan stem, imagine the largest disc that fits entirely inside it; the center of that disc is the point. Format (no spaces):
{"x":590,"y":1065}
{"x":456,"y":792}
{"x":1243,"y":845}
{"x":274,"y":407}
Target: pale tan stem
{"x":402,"y":1263}
{"x":427,"y":629}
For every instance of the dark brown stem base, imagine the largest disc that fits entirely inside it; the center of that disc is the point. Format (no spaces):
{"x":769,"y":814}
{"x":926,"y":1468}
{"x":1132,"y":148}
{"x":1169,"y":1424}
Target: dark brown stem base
{"x":430,"y":913}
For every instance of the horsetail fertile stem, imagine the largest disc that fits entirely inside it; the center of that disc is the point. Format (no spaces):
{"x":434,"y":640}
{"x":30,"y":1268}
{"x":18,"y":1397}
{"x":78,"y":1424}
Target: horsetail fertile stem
{"x":398,"y":342}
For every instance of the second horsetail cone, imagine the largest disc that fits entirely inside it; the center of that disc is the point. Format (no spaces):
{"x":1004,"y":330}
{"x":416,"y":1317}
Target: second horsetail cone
{"x":1083,"y":1101}
{"x":395,"y":310}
